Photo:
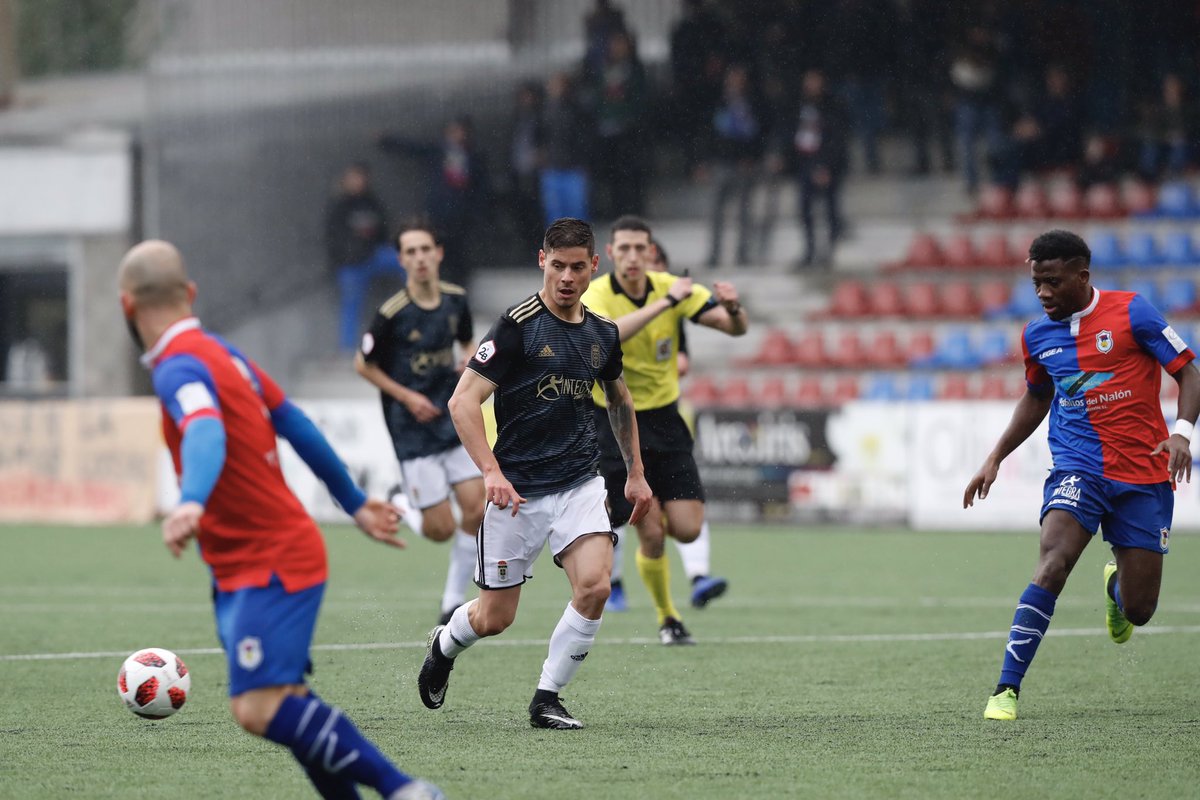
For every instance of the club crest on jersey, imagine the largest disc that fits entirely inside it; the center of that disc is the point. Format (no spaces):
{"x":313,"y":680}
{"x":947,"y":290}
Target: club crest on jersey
{"x":1104,"y":341}
{"x":1163,"y":535}
{"x":595,"y":356}
{"x":502,"y":570}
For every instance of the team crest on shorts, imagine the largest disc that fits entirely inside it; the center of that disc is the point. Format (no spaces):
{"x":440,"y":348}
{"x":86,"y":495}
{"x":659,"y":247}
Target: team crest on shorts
{"x":249,"y":652}
{"x":595,"y":356}
{"x":502,"y":570}
{"x":1104,"y":341}
{"x":1163,"y":535}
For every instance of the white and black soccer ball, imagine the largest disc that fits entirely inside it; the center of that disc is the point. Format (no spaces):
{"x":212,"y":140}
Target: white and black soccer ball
{"x":154,"y":683}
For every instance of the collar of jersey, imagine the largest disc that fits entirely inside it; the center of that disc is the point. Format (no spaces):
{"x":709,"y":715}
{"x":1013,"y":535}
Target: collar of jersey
{"x":1079,"y":315}
{"x":618,"y":289}
{"x":183,"y":325}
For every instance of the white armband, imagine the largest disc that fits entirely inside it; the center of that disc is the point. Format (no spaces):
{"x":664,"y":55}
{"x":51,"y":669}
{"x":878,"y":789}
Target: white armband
{"x":1184,"y":428}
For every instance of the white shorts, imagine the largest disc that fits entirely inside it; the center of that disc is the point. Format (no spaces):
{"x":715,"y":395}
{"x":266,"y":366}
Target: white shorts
{"x":508,"y":546}
{"x":427,"y":480}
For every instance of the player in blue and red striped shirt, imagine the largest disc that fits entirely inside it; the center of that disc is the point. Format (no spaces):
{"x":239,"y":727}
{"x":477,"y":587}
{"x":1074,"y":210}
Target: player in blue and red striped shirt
{"x":1094,"y":362}
{"x":221,"y":417}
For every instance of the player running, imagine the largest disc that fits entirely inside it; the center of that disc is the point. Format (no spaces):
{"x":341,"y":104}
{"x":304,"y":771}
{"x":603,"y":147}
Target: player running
{"x":408,"y":354}
{"x":540,"y":360}
{"x":221,"y":417}
{"x":648,"y":308}
{"x":1093,"y":362}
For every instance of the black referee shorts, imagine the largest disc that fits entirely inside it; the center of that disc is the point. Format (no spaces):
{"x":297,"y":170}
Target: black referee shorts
{"x":666,"y":445}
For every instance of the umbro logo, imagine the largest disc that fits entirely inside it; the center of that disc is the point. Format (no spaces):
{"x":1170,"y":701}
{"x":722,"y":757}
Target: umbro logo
{"x":546,"y":352}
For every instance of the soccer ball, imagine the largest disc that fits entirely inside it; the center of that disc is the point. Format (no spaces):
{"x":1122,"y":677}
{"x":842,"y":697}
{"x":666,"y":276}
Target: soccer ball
{"x":154,"y":683}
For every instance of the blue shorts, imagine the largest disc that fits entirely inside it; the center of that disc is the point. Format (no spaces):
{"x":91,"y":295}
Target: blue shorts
{"x":266,"y":632}
{"x":1129,"y":514}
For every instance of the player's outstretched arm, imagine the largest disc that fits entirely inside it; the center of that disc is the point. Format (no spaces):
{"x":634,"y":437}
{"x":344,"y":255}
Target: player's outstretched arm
{"x":623,"y":420}
{"x":630,"y":325}
{"x":1030,"y":411}
{"x":314,"y":449}
{"x":466,"y":410}
{"x":1178,"y":444}
{"x":727,"y":316}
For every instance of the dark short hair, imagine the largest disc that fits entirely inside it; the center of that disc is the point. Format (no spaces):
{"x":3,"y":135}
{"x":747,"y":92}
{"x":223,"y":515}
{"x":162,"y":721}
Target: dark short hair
{"x":628,"y":222}
{"x":569,"y":232}
{"x":1060,"y":244}
{"x":662,"y":252}
{"x":417,"y":223}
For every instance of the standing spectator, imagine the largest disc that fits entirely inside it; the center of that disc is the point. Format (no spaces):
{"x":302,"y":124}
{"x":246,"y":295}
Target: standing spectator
{"x":356,"y":242}
{"x":458,"y":190}
{"x":698,"y":52}
{"x":1167,"y":131}
{"x":525,"y":161}
{"x":926,"y":84}
{"x":974,"y":72}
{"x":599,"y":26}
{"x":566,"y":150}
{"x":737,"y":143}
{"x":861,"y":54}
{"x":820,"y":146}
{"x":618,"y":95}
{"x":1048,"y":134}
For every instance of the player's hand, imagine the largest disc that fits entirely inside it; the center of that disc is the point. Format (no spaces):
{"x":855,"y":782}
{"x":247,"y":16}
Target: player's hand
{"x":380,"y":520}
{"x":681,"y":289}
{"x":181,"y":525}
{"x":638,"y":493}
{"x":500,"y":492}
{"x":725,"y":293}
{"x":683,"y":363}
{"x":981,"y":483}
{"x":421,"y":407}
{"x":1179,"y":465}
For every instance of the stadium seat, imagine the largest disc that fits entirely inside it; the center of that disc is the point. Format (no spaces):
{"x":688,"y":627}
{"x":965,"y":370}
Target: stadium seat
{"x":1103,"y":201}
{"x":1066,"y":201}
{"x":1175,"y":200}
{"x":736,"y":392}
{"x":995,"y":202}
{"x":960,"y":252}
{"x":808,"y":350}
{"x":1178,"y":296}
{"x":848,"y":351}
{"x":1106,"y":250}
{"x":921,"y":300}
{"x":1024,"y":303}
{"x":775,"y":350}
{"x":809,"y":392}
{"x":1107,"y":284}
{"x":1139,"y":199}
{"x":773,"y":392}
{"x":955,"y":350}
{"x":920,"y":346}
{"x":1141,"y":249}
{"x":1178,"y":249}
{"x":845,"y":389}
{"x":924,"y":251}
{"x":920,"y":387}
{"x":886,"y":299}
{"x":994,"y":297}
{"x":1030,"y":201}
{"x":958,"y":299}
{"x":702,"y":392}
{"x":882,"y":386}
{"x":996,"y":346}
{"x":997,"y":386}
{"x":997,"y":252}
{"x":849,"y":299}
{"x":1169,"y":392}
{"x":885,"y":351}
{"x":1147,"y":288}
{"x":955,"y":386}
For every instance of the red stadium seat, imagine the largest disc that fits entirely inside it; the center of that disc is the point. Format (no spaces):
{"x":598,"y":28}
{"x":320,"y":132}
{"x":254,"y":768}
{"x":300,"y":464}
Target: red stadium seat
{"x":845,"y":389}
{"x":1066,"y":201}
{"x":736,"y":393}
{"x":848,"y":351}
{"x":994,"y":297}
{"x":958,"y":299}
{"x":921,"y":345}
{"x":1139,"y":198}
{"x":849,"y":299}
{"x":885,"y":351}
{"x":702,"y":391}
{"x":885,"y":299}
{"x":921,"y":300}
{"x":809,"y":350}
{"x":776,"y":349}
{"x":996,"y":202}
{"x":960,"y":252}
{"x":993,"y":386}
{"x":773,"y":392}
{"x":1103,"y":201}
{"x":924,"y":251}
{"x":1030,"y":201}
{"x":810,"y":392}
{"x":955,"y":386}
{"x":997,"y":252}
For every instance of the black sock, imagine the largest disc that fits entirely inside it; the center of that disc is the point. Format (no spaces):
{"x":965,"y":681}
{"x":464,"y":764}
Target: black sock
{"x":698,"y":578}
{"x":544,"y":696}
{"x":1000,"y":687}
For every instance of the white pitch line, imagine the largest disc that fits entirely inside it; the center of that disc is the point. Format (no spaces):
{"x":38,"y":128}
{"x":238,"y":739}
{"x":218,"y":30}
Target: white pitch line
{"x":821,"y":638}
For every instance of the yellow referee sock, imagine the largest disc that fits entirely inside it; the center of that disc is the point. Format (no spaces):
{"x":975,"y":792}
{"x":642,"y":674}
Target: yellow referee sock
{"x":656,"y":574}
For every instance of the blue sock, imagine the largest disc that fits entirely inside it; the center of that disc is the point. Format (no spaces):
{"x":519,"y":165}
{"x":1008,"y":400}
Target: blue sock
{"x":326,"y":742}
{"x":1029,"y":625}
{"x":1115,"y":592}
{"x":330,"y":787}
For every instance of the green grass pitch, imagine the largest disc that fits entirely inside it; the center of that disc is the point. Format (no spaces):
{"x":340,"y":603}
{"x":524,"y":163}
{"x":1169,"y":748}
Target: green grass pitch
{"x":841,"y":664}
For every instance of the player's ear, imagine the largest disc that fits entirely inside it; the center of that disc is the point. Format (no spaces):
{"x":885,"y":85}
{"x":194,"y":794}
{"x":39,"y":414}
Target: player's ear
{"x":608,"y":251}
{"x":595,"y":263}
{"x":542,"y":259}
{"x":191,"y":291}
{"x":127,"y":305}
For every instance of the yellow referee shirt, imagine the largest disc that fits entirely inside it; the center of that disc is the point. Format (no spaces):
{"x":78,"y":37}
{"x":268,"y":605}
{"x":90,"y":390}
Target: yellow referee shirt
{"x":651,"y":369}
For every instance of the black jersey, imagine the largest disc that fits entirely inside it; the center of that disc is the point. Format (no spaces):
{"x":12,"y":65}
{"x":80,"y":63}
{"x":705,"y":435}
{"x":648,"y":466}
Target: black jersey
{"x":415,"y":347}
{"x":544,"y":368}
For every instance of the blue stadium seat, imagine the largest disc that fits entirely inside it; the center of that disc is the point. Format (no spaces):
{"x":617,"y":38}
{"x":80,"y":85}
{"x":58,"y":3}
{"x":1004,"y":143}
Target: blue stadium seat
{"x":1141,"y":249}
{"x":1178,"y":249}
{"x":996,"y":346}
{"x":1106,"y":250}
{"x":921,"y":387}
{"x":1107,"y":284}
{"x":1175,"y":200}
{"x":1147,"y":288}
{"x":881,"y":386}
{"x":956,"y":350}
{"x":1178,"y":295}
{"x":1024,"y":303}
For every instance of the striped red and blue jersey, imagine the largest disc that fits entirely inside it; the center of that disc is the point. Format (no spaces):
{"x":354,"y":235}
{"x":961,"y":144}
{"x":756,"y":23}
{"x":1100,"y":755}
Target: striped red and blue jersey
{"x":1104,"y":365}
{"x":253,"y":527}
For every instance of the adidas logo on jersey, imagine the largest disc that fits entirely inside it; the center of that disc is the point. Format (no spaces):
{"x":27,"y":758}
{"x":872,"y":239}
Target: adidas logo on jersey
{"x":546,"y":352}
{"x":414,"y":336}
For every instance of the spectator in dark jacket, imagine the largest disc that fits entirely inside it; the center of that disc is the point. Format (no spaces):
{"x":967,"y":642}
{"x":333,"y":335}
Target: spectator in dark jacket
{"x":356,"y":242}
{"x":566,"y":149}
{"x":737,"y":147}
{"x":820,"y":151}
{"x":1167,"y":132}
{"x":525,"y":154}
{"x":618,"y":102}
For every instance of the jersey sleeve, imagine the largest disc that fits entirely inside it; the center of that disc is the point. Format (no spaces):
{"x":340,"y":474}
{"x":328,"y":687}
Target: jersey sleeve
{"x":1036,"y":377}
{"x":264,"y":385}
{"x":615,"y":365}
{"x":466,"y":325}
{"x":501,"y":349}
{"x":1156,"y":337}
{"x":376,"y":344}
{"x":186,"y":389}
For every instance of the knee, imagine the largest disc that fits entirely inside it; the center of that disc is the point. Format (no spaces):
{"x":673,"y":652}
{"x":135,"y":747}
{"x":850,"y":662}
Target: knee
{"x":436,"y":530}
{"x":590,"y":596}
{"x":685,"y":533}
{"x":491,"y":622}
{"x":249,"y":715}
{"x":471,"y":521}
{"x":1140,"y":612}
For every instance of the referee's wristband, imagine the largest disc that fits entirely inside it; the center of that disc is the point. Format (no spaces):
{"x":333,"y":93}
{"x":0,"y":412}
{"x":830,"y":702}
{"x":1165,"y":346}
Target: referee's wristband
{"x":1184,"y":428}
{"x":672,"y":300}
{"x":733,"y":308}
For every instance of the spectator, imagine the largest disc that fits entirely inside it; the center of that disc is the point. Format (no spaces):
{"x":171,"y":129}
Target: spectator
{"x":1046,"y":135}
{"x":974,"y":72}
{"x":737,"y":144}
{"x":356,"y":242}
{"x":566,"y":149}
{"x":1101,"y":161}
{"x":458,"y":190}
{"x":599,"y":26}
{"x":618,"y":96}
{"x":820,"y":147}
{"x":861,"y":52}
{"x":525,"y":161}
{"x":926,"y":82}
{"x":1167,"y":132}
{"x":698,"y":51}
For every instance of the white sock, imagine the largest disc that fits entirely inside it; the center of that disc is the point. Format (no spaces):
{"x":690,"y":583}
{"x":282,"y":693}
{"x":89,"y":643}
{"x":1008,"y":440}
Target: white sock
{"x":569,"y":644}
{"x":412,"y":516}
{"x":618,"y":566}
{"x":696,"y":555}
{"x":461,"y":570}
{"x":458,"y":635}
